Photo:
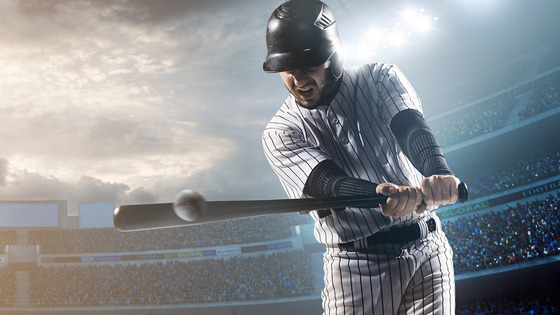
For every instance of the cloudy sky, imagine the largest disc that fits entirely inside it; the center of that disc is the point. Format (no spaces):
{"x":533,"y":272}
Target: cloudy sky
{"x":131,"y":101}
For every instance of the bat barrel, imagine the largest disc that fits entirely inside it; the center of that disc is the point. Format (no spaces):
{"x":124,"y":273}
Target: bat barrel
{"x":133,"y":218}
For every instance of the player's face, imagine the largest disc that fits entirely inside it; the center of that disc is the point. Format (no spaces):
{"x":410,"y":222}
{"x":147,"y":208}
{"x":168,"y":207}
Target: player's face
{"x":310,"y":86}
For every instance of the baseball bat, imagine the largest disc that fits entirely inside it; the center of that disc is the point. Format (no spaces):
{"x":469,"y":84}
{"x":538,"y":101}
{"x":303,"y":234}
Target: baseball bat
{"x":140,"y":217}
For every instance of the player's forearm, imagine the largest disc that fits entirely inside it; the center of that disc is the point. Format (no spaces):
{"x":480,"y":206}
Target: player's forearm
{"x":418,"y":143}
{"x":329,"y":180}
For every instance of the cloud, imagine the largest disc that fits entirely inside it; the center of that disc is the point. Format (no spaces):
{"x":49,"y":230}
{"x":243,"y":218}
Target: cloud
{"x":3,"y":171}
{"x":24,"y":185}
{"x":131,"y":101}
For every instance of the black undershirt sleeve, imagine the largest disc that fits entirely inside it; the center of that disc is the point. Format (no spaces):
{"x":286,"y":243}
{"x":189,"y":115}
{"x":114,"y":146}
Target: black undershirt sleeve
{"x":329,"y":180}
{"x":418,"y":143}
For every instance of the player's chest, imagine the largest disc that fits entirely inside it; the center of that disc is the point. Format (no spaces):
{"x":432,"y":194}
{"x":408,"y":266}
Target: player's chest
{"x":354,"y":130}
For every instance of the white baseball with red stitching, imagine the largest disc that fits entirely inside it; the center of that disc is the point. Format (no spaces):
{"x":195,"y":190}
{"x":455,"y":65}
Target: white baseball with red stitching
{"x":189,"y":205}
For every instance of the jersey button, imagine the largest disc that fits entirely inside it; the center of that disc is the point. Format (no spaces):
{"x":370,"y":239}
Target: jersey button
{"x":344,"y":140}
{"x":335,"y":121}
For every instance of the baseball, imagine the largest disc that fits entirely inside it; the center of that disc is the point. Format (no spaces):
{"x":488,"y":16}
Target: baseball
{"x":189,"y":205}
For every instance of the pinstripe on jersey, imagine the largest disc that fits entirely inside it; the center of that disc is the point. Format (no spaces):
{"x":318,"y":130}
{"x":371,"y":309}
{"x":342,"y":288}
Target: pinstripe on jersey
{"x":353,"y":130}
{"x":391,"y":279}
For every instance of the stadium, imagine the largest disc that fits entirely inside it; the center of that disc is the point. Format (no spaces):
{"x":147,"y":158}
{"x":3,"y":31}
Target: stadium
{"x":498,"y":129}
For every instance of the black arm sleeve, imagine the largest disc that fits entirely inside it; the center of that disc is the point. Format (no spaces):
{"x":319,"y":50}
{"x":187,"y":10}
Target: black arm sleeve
{"x":418,"y":143}
{"x":329,"y":180}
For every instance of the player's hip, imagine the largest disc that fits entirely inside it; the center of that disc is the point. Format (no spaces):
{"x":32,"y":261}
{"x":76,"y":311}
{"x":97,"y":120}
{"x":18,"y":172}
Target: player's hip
{"x":359,"y":229}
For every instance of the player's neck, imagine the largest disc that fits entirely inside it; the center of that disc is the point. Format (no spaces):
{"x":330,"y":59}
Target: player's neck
{"x":334,"y":88}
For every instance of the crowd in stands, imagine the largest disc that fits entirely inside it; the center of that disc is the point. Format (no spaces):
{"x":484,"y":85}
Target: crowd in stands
{"x":534,"y":302}
{"x":514,"y":171}
{"x":7,"y":237}
{"x":7,"y":286}
{"x":241,"y":231}
{"x":472,"y":122}
{"x":492,"y":82}
{"x":495,"y":113}
{"x":272,"y":276}
{"x":513,"y":235}
{"x":474,"y":89}
{"x":543,"y":100}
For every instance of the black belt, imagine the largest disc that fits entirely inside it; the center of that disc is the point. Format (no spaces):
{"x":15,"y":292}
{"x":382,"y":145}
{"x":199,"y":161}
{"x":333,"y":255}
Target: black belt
{"x":399,"y":235}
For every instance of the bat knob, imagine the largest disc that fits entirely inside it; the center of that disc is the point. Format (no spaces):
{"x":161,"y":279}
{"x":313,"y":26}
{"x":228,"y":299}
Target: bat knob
{"x":463,"y":192}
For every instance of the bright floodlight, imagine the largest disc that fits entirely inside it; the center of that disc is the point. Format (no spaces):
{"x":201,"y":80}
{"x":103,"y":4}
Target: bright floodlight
{"x":410,"y":22}
{"x":409,"y":16}
{"x":397,"y":39}
{"x":423,"y":24}
{"x":416,"y":20}
{"x":374,"y":35}
{"x":365,"y":51}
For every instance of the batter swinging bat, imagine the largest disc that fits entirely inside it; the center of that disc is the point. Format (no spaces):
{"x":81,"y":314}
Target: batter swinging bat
{"x":164,"y":215}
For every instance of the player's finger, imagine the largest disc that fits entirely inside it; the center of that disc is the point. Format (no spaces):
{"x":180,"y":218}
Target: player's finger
{"x":388,"y":208}
{"x":446,"y":195}
{"x":447,"y":186}
{"x":420,"y":205}
{"x":427,"y":193}
{"x":454,"y":195}
{"x":416,"y":198}
{"x":411,"y":201}
{"x":410,"y":198}
{"x":386,"y":189}
{"x":436,"y":195}
{"x":404,"y":202}
{"x":389,"y":190}
{"x":454,"y":191}
{"x":398,"y":205}
{"x":393,"y":206}
{"x":421,"y":208}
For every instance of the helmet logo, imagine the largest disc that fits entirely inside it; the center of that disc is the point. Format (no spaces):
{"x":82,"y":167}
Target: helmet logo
{"x":323,"y":21}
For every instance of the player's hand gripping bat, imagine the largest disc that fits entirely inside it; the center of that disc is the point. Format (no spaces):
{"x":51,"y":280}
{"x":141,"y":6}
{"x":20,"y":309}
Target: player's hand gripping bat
{"x":190,"y":208}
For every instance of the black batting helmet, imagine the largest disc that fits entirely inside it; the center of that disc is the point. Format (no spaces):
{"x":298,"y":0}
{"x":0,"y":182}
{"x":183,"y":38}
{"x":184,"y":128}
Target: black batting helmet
{"x":301,"y":34}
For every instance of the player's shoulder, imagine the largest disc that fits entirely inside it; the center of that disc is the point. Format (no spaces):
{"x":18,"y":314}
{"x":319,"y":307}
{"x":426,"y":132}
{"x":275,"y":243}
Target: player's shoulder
{"x":287,"y":118}
{"x":373,"y":74}
{"x":371,"y":69}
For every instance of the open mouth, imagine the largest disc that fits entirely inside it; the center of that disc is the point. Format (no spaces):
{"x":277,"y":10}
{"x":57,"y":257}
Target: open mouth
{"x":307,"y":93}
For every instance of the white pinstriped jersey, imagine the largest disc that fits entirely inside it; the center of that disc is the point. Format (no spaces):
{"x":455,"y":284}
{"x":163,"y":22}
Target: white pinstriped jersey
{"x":353,"y":131}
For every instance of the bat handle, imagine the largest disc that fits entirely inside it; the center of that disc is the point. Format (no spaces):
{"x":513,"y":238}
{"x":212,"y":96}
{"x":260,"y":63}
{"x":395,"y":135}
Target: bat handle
{"x":463,"y":192}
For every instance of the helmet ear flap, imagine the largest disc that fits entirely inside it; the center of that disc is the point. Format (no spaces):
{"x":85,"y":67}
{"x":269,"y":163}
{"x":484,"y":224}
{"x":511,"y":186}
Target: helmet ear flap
{"x":336,"y":65}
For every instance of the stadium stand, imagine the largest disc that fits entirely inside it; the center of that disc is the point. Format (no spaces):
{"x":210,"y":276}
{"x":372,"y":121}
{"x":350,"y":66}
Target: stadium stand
{"x":545,"y":302}
{"x":216,"y":234}
{"x":215,"y":280}
{"x":515,"y":234}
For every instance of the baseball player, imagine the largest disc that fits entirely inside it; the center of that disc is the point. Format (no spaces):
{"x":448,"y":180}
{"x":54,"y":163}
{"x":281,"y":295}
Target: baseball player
{"x":357,"y":131}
